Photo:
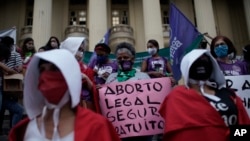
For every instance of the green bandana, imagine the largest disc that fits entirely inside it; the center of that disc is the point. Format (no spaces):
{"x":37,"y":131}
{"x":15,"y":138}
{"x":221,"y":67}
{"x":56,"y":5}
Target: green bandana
{"x":28,"y":54}
{"x":123,"y":76}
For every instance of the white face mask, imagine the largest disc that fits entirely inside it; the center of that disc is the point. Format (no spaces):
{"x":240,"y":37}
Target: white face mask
{"x":79,"y":55}
{"x":152,"y":51}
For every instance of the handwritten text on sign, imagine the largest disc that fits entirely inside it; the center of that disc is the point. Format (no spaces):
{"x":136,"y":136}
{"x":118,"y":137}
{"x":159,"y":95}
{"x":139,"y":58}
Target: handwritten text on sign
{"x":241,"y":85}
{"x":132,"y":106}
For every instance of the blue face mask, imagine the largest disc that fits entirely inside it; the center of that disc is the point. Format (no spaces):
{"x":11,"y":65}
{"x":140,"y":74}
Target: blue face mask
{"x":101,"y":59}
{"x":221,"y":51}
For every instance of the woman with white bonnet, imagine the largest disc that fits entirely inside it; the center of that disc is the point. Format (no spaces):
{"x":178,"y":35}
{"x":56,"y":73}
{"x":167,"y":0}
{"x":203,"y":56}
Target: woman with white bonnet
{"x":76,"y":45}
{"x":202,"y":109}
{"x":51,"y":99}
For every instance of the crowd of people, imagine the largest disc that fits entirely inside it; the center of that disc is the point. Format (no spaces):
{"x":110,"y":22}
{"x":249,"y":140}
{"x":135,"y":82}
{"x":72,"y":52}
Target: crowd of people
{"x":61,"y":92}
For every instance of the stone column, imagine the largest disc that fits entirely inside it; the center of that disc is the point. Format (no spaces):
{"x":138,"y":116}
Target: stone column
{"x":152,"y":21}
{"x":205,"y":17}
{"x":41,"y":30}
{"x":247,"y":13}
{"x":97,"y":21}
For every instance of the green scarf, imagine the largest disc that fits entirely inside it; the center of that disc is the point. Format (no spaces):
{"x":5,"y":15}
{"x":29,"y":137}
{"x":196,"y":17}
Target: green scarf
{"x":28,"y":54}
{"x":123,"y":76}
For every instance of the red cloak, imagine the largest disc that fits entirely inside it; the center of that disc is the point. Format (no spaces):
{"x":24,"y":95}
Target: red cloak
{"x":189,"y":116}
{"x":89,"y":126}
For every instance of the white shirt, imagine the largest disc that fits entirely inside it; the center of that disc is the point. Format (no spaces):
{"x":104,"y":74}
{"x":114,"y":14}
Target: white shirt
{"x":33,"y":134}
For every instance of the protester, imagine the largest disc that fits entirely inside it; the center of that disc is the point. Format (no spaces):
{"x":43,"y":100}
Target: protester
{"x":202,"y":109}
{"x":51,"y":100}
{"x":224,"y":51}
{"x":28,"y":50}
{"x":155,"y":66}
{"x":102,"y":65}
{"x":125,"y":55}
{"x":4,"y":55}
{"x":10,"y":100}
{"x":15,"y":61}
{"x":53,"y":43}
{"x":246,"y":57}
{"x":76,"y":45}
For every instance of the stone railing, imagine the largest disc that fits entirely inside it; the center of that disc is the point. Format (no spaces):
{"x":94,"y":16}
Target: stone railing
{"x":121,"y":33}
{"x":77,"y":31}
{"x":26,"y":32}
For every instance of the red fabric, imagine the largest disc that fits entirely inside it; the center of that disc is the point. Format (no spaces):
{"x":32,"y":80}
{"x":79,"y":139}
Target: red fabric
{"x":52,"y":86}
{"x":89,"y":126}
{"x":90,"y":73}
{"x":189,"y":116}
{"x":86,"y":70}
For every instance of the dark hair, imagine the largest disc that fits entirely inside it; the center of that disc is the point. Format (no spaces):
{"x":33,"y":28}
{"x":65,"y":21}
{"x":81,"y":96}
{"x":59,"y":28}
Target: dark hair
{"x":24,"y":47}
{"x":127,"y":46}
{"x":7,"y":40}
{"x":42,"y":61}
{"x":155,"y":43}
{"x":5,"y":52}
{"x":203,"y":44}
{"x":48,"y":45}
{"x":231,"y":48}
{"x":104,"y":47}
{"x":42,"y":47}
{"x":246,"y":52}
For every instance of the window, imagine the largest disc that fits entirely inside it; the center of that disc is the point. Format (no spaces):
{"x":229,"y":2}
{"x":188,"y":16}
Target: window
{"x":78,"y":17}
{"x":164,"y":11}
{"x":78,"y":12}
{"x":119,"y":17}
{"x":165,"y":19}
{"x":29,"y":18}
{"x":77,"y":2}
{"x":119,"y":12}
{"x":29,"y":13}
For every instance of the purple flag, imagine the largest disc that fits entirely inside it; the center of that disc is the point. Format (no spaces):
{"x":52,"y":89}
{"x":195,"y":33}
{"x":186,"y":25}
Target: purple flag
{"x":183,"y":33}
{"x":105,"y":40}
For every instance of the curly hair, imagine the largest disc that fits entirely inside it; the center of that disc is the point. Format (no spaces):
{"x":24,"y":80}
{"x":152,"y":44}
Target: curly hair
{"x":127,"y":46}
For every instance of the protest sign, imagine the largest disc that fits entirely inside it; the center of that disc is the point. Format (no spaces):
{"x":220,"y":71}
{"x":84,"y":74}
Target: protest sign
{"x":132,"y":106}
{"x":9,"y":32}
{"x":241,"y":85}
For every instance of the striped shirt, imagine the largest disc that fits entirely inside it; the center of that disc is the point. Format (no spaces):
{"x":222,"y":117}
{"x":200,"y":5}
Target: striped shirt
{"x":14,"y":61}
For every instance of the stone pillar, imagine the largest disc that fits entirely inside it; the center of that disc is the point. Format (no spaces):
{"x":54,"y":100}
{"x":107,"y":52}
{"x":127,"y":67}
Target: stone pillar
{"x":205,"y":17}
{"x":247,"y":13}
{"x":152,"y":21}
{"x":41,"y":30}
{"x":97,"y":21}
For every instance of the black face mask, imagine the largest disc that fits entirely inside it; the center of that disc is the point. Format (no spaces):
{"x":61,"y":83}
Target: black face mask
{"x":201,"y":69}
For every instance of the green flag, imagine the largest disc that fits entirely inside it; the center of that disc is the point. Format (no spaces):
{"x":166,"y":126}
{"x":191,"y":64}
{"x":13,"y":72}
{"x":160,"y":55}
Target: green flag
{"x":195,"y":44}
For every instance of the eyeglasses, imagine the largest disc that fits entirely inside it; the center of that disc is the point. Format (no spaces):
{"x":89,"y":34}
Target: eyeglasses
{"x":220,"y":44}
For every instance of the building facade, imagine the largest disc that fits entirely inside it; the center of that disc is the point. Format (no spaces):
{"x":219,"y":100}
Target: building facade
{"x":134,"y":21}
